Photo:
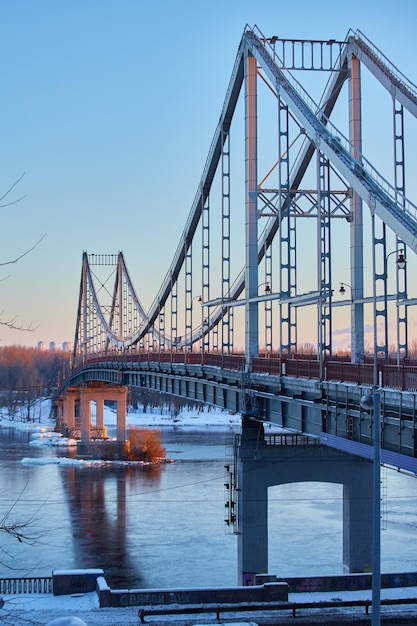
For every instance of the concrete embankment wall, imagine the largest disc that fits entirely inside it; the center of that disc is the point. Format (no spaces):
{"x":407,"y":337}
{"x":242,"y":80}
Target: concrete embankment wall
{"x":269,"y":592}
{"x":268,"y":588}
{"x":348,"y":582}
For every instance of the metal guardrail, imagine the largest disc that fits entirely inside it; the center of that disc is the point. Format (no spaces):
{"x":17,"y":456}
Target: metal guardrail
{"x":384,"y":63}
{"x":11,"y":586}
{"x":291,"y":439}
{"x":219,"y":608}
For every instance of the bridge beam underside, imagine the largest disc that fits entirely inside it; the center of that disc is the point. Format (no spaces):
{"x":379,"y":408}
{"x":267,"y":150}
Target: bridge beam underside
{"x":261,"y":466}
{"x":211,"y":389}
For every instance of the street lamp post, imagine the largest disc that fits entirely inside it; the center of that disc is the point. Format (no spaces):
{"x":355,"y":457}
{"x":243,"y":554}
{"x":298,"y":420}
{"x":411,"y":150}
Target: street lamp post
{"x":376,"y":557}
{"x":371,"y":402}
{"x":374,"y":401}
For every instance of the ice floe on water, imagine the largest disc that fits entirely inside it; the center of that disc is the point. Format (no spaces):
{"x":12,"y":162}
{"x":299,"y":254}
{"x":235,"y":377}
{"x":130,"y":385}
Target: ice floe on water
{"x":66,"y":461}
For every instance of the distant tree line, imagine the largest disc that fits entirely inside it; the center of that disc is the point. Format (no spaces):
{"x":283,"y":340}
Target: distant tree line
{"x":146,"y":399}
{"x":27,"y":374}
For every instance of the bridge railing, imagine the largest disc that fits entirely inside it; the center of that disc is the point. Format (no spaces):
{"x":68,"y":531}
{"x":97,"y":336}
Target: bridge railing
{"x":403,"y":376}
{"x":11,"y":586}
{"x":290,"y":439}
{"x":360,"y":373}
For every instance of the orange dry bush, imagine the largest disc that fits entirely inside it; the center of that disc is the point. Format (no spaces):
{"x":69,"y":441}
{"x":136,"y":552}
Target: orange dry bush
{"x":145,"y":445}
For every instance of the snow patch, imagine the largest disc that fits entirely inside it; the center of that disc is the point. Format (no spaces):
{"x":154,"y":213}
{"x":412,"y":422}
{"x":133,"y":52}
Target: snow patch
{"x":67,"y":621}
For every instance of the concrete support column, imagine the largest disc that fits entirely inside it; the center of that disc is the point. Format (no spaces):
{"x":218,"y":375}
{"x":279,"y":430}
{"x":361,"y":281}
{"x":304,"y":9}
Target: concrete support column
{"x":85,"y":416}
{"x":69,"y":409}
{"x":357,"y":520}
{"x":58,"y":409}
{"x":58,"y":413}
{"x":121,"y":414}
{"x":100,"y":411}
{"x":252,"y":505}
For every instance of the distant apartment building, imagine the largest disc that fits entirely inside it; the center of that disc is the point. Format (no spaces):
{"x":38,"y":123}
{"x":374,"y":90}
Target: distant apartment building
{"x":66,"y":346}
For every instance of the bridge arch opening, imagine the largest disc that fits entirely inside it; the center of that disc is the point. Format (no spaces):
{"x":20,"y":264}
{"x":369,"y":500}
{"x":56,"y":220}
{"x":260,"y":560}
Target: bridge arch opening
{"x":301,"y":518}
{"x":302,"y":465}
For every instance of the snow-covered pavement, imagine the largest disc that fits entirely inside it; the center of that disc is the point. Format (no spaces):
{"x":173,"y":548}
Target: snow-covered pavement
{"x":37,"y":609}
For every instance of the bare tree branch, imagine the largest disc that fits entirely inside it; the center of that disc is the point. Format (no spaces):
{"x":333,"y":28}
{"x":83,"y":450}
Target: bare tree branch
{"x":24,"y":253}
{"x":10,"y":190}
{"x":19,"y":530}
{"x":12,"y":324}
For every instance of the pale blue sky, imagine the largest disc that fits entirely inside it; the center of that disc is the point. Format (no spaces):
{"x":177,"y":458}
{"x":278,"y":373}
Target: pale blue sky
{"x":109,"y":107}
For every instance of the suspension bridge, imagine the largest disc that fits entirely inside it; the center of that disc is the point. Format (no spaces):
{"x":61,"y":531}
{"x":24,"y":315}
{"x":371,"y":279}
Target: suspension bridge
{"x":302,"y":231}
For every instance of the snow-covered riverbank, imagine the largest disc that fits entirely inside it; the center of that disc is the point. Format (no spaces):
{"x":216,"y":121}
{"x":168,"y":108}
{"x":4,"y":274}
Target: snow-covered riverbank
{"x":42,"y":427}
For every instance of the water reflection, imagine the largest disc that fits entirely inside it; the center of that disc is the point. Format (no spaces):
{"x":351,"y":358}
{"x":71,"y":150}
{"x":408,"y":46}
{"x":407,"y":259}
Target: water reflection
{"x":145,"y":527}
{"x":14,"y":435}
{"x":97,"y":500}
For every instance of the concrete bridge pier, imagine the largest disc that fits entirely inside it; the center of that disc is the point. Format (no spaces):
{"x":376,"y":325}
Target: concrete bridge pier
{"x":68,"y":408}
{"x":100,"y":412}
{"x":99,"y":395}
{"x":85,"y":415}
{"x":252,"y":553}
{"x":261,"y":466}
{"x":93,"y":439}
{"x":121,"y":413}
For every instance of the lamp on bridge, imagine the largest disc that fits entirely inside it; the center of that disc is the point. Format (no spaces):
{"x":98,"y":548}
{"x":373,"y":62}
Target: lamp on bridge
{"x":401,"y":260}
{"x":267,"y":287}
{"x":342,"y":290}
